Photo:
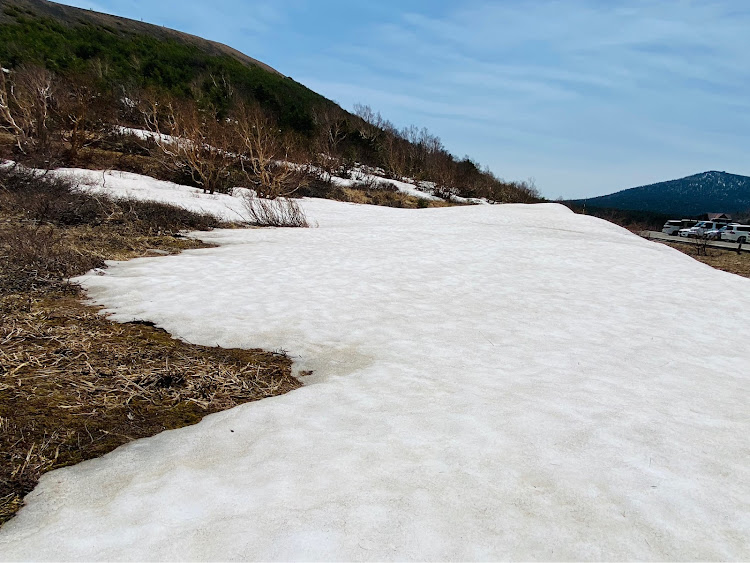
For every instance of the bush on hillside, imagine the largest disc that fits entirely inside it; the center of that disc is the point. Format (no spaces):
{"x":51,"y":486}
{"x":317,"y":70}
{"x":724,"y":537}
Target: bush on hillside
{"x":278,"y":212}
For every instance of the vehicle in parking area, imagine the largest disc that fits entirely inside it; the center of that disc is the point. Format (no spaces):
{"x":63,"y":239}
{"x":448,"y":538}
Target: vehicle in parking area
{"x":716,"y":234}
{"x":673,"y":226}
{"x":700,"y":229}
{"x":736,"y":233}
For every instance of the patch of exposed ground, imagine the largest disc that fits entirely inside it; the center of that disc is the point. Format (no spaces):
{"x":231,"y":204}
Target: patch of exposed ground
{"x":726,"y":260}
{"x":73,"y":384}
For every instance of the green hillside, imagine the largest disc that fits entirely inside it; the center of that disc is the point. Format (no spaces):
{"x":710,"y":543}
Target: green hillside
{"x":71,"y":41}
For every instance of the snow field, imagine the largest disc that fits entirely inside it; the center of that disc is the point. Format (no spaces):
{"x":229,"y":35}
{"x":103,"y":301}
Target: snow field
{"x":137,"y":186}
{"x":490,"y":382}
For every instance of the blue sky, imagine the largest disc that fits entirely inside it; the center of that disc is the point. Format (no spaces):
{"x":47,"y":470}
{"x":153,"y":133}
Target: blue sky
{"x":584,"y":96}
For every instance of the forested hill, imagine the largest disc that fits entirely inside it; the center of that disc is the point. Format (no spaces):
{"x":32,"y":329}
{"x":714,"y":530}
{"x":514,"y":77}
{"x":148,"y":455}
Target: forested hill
{"x":707,"y":192}
{"x":71,"y":16}
{"x":69,"y":40}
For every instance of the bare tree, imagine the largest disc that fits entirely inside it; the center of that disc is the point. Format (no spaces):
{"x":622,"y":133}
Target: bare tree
{"x":83,"y":113}
{"x":10,"y":115}
{"x":264,"y":153}
{"x":193,"y":141}
{"x":26,"y":100}
{"x":371,"y":125}
{"x":393,"y":151}
{"x":334,"y":128}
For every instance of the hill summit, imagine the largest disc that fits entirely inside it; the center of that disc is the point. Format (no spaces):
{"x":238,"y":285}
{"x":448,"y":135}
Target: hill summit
{"x":705,"y":192}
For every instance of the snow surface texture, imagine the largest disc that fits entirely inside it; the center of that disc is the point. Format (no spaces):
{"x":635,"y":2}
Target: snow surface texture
{"x":490,"y":382}
{"x":129,"y":185}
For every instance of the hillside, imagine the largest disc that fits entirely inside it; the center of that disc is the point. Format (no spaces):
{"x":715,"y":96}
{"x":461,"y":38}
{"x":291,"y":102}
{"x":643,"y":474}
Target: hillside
{"x":71,"y":16}
{"x":105,"y":71}
{"x":707,"y":192}
{"x":71,"y":41}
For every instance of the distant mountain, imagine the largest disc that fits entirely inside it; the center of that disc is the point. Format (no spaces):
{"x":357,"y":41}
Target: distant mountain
{"x":707,"y":192}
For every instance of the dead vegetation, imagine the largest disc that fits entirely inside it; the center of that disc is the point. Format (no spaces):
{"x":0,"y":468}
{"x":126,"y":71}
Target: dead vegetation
{"x":725,"y":260}
{"x":74,"y":385}
{"x":279,"y":212}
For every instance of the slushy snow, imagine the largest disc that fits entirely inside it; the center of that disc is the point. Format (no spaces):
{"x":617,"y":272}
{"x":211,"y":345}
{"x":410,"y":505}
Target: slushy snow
{"x":489,"y":382}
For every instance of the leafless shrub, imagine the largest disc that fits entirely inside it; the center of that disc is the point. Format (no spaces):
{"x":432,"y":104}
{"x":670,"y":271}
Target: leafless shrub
{"x":264,"y":153}
{"x":27,"y":97}
{"x":278,"y":212}
{"x":44,"y":197}
{"x":701,"y":246}
{"x":192,"y":141}
{"x":84,"y":114}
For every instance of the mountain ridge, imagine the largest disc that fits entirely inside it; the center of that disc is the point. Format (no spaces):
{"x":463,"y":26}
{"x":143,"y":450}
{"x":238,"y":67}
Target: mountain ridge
{"x":711,"y":191}
{"x":70,"y":15}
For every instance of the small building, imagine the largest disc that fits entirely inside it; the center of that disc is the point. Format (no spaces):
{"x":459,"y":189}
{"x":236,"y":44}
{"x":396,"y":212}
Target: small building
{"x":719,"y":217}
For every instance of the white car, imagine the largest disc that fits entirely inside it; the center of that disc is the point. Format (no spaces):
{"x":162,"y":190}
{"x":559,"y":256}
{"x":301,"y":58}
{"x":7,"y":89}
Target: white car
{"x":736,"y":233}
{"x":716,"y":234}
{"x":673,"y":226}
{"x":700,"y":230}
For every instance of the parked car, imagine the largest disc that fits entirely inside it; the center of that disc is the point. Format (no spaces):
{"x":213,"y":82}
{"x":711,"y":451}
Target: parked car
{"x":716,"y":234}
{"x":700,"y":230}
{"x":736,"y":233}
{"x":673,"y":226}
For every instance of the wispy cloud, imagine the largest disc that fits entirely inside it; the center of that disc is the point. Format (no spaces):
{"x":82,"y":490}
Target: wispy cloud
{"x":588,"y":81}
{"x":559,"y":90}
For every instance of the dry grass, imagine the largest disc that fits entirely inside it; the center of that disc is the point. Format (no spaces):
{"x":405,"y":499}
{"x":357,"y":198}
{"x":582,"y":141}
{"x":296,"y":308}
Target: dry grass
{"x":388,"y":198}
{"x":73,"y":384}
{"x":279,"y":212}
{"x":726,"y":260}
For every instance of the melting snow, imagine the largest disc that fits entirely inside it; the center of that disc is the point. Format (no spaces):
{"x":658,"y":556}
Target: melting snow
{"x":360,"y":176}
{"x":129,"y":185}
{"x":490,"y":382}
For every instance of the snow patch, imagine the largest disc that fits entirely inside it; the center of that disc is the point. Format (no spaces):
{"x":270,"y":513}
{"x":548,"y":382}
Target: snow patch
{"x":490,"y":382}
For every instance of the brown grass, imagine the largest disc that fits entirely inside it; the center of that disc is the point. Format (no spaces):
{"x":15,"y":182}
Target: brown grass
{"x":73,"y":384}
{"x":726,"y":260}
{"x":279,"y":212}
{"x":388,"y":198}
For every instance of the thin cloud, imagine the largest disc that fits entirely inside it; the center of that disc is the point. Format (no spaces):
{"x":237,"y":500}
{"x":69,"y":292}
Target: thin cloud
{"x":529,"y":88}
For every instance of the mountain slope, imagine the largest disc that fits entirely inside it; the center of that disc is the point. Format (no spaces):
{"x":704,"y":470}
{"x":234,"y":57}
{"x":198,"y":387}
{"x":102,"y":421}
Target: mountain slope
{"x":706,"y":192}
{"x":122,"y":60}
{"x":71,"y":41}
{"x":72,"y":16}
